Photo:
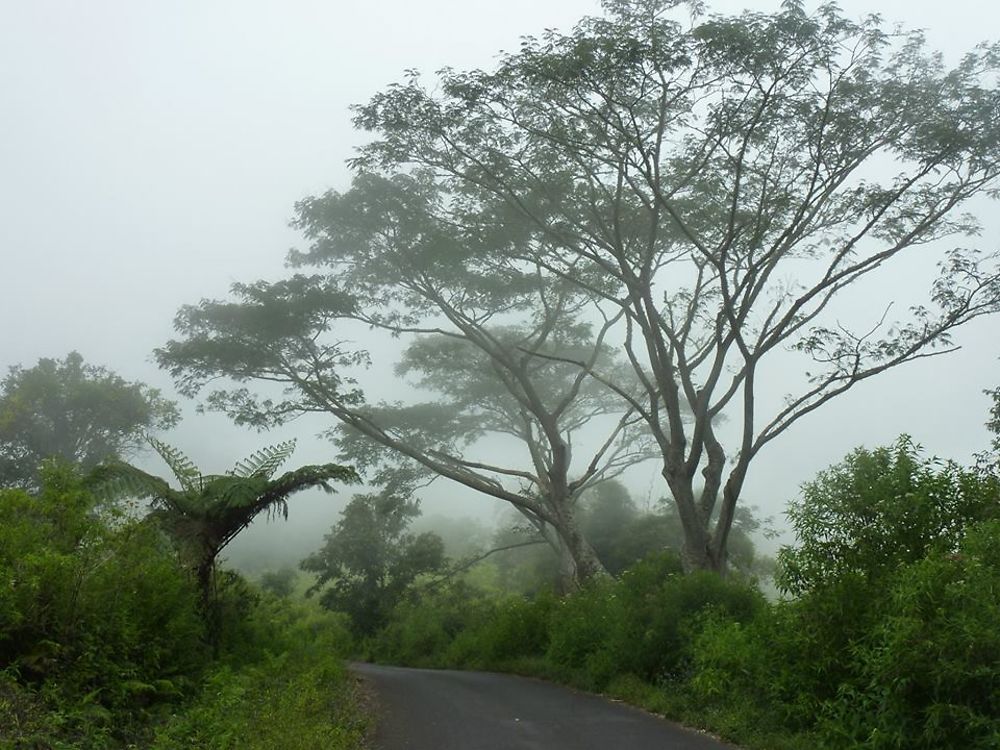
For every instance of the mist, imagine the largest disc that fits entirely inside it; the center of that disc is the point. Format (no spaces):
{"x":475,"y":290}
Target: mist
{"x":152,"y":155}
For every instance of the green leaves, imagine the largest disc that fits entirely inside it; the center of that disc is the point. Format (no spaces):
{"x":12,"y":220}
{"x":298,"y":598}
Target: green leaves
{"x":210,"y":510}
{"x":75,"y":412}
{"x":182,"y":467}
{"x":264,"y":462}
{"x":369,"y":560}
{"x":878,"y":510}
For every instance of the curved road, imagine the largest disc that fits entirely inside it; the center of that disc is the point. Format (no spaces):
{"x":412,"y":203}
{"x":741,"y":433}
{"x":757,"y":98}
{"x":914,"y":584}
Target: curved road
{"x":428,"y":709}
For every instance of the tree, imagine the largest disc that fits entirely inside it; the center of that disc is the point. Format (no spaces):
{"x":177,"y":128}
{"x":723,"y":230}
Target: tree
{"x":279,"y":582}
{"x":538,"y":421}
{"x":623,"y":534}
{"x":718,"y":185}
{"x":77,"y":412}
{"x":209,"y":510}
{"x":368,"y":560}
{"x":491,"y":347}
{"x":702,"y":193}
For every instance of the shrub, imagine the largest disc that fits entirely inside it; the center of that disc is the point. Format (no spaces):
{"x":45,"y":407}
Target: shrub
{"x":659,"y":610}
{"x":756,"y":672}
{"x":929,"y":673}
{"x":878,"y":510}
{"x":517,"y":627}
{"x":580,"y":624}
{"x":101,"y":624}
{"x":301,"y":698}
{"x":421,"y":631}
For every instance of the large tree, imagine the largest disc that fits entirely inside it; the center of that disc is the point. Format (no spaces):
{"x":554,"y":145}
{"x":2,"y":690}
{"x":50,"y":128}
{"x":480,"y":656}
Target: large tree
{"x":702,"y":191}
{"x":489,"y":343}
{"x":73,"y":411}
{"x":723,"y":184}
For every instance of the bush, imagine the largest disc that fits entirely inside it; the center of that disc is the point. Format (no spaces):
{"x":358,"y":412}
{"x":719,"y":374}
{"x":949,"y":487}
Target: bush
{"x":300,"y":698}
{"x":658,"y":626}
{"x":878,"y":510}
{"x":580,"y":624}
{"x":516,"y":628}
{"x":101,"y":624}
{"x":929,"y":672}
{"x":879,"y":533}
{"x":421,"y":631}
{"x":757,"y":673}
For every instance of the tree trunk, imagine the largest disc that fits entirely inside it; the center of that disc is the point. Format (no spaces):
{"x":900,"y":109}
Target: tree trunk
{"x":578,"y":561}
{"x":698,"y":551}
{"x":698,"y":554}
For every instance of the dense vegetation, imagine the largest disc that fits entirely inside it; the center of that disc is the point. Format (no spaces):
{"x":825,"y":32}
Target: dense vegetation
{"x":104,"y":640}
{"x":886,"y":639}
{"x":74,"y":411}
{"x":591,"y":255}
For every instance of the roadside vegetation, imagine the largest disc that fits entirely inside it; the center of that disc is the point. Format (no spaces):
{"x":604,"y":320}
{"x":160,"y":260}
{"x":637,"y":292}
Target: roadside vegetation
{"x":885,"y":636}
{"x":105,"y":643}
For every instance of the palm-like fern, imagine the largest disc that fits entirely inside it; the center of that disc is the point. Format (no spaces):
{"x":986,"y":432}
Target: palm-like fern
{"x":209,"y":510}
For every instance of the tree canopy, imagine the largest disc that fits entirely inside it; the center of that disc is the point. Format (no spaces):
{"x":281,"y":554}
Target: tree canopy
{"x":718,"y":183}
{"x":700,"y":190}
{"x":879,"y":510}
{"x":80,"y":413}
{"x":496,"y":354}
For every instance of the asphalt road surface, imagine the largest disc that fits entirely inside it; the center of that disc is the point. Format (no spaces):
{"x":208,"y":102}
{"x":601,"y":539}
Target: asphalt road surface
{"x":428,"y":709}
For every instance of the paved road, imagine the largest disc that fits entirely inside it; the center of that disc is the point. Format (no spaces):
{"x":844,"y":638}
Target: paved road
{"x":425,"y":709}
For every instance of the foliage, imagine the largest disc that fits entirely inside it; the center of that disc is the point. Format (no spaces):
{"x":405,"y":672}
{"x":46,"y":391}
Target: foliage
{"x":424,"y":631}
{"x":677,"y":174}
{"x":99,"y":623}
{"x":208,"y":511}
{"x":75,"y":412}
{"x":700,"y":190}
{"x":280,"y":582}
{"x":500,"y":379}
{"x":623,"y":535}
{"x":893,"y":642}
{"x":620,"y":533}
{"x":285,"y":687}
{"x":878,"y":510}
{"x":101,"y":641}
{"x":368,"y":560}
{"x":928,"y":673}
{"x":643,"y":625}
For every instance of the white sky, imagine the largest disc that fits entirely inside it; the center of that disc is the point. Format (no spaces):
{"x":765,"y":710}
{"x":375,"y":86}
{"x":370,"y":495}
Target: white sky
{"x":151,"y":153}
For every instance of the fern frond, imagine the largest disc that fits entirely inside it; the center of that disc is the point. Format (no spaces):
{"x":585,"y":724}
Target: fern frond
{"x":264,"y":462}
{"x":183,"y":468}
{"x":230,"y":492}
{"x":118,"y":479}
{"x":306,"y":477}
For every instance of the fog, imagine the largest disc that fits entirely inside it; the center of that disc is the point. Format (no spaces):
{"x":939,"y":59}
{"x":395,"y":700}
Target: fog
{"x":151,"y":154}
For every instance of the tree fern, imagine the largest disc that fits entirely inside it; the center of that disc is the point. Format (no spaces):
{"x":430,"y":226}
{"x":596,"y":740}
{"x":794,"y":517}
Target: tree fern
{"x":210,"y":510}
{"x":118,"y":479}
